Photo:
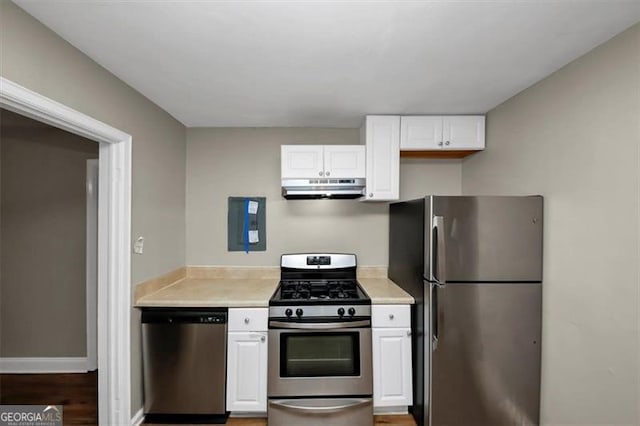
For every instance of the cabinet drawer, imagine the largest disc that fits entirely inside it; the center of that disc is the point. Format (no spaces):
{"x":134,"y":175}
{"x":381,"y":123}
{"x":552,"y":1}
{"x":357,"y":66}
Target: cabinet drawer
{"x":248,"y":319}
{"x":390,"y":316}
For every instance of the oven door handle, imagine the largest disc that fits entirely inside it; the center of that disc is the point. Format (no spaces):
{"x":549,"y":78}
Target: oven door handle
{"x":319,"y":326}
{"x":298,"y":405}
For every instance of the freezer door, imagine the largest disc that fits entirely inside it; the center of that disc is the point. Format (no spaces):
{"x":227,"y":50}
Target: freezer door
{"x":487,"y":239}
{"x":485,"y":370}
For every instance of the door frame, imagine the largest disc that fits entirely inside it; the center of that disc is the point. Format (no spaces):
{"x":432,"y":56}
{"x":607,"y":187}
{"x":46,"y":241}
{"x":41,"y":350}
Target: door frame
{"x":114,"y":240}
{"x":91,"y":279}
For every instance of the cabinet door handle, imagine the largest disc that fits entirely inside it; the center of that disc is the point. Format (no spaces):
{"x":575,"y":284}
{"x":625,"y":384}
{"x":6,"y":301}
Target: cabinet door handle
{"x":246,"y":320}
{"x":446,"y":143}
{"x":262,"y":339}
{"x":326,"y":173}
{"x":320,"y":174}
{"x":391,"y":316}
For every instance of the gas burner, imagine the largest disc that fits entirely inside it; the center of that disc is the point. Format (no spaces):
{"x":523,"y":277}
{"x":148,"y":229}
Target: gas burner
{"x":318,"y":279}
{"x":319,"y":289}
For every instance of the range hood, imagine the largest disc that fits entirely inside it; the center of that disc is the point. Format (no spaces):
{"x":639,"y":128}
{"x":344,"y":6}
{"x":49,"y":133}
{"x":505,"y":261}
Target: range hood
{"x":310,"y":189}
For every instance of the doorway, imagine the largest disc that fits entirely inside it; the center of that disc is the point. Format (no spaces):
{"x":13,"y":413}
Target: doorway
{"x":48,"y":252}
{"x":114,"y":227}
{"x":48,"y":240}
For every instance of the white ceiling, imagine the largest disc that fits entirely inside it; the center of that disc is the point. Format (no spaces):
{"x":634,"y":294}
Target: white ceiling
{"x":327,"y":64}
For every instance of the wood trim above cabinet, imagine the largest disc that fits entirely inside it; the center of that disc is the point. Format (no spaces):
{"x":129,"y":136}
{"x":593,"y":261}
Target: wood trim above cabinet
{"x":437,"y":154}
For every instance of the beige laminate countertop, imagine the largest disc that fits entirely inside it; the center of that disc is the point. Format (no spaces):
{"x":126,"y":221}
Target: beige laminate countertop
{"x":383,"y":291}
{"x":213,"y":293}
{"x":251,"y":292}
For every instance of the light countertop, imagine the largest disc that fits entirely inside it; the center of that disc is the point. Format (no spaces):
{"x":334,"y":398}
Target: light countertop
{"x":213,"y":293}
{"x":250,"y":292}
{"x":383,"y":291}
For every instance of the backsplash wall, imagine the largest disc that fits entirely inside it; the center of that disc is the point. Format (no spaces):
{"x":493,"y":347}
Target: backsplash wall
{"x":223,"y":162}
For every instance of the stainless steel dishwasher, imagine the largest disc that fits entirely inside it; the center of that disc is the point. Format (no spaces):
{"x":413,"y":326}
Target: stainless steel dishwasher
{"x":184,"y":364}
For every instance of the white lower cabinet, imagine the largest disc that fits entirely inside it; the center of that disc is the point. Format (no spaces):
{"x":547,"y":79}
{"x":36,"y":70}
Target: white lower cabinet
{"x":246,"y":366}
{"x":391,"y":335}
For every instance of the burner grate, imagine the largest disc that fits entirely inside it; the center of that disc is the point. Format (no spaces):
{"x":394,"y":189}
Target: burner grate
{"x":318,"y":289}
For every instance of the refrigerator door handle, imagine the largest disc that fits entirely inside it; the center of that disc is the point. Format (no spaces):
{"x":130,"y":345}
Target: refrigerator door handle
{"x":434,"y":317}
{"x":440,"y":252}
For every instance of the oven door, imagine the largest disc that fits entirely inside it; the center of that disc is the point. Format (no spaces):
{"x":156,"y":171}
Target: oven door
{"x":311,"y":359}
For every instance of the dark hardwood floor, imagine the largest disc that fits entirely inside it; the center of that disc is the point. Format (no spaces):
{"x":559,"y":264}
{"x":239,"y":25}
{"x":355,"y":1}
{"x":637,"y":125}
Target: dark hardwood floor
{"x":77,"y":393}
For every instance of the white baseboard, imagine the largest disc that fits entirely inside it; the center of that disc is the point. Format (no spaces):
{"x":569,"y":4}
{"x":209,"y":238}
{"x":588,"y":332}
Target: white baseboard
{"x":401,"y":409}
{"x":137,"y":418}
{"x":249,"y":415}
{"x":43,"y":365}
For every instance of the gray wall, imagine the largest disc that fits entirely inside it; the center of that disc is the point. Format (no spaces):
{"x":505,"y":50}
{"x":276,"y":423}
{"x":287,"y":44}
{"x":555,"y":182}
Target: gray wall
{"x":38,"y":59}
{"x":246,"y":162}
{"x":574,"y":137}
{"x":43,"y":239}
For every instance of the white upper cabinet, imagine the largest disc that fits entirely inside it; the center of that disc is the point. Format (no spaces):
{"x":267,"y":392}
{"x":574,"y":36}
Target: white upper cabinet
{"x":344,"y":161}
{"x":463,"y":132}
{"x":381,"y":136}
{"x":432,"y":133}
{"x":420,"y":133}
{"x":302,"y":161}
{"x":322,"y":161}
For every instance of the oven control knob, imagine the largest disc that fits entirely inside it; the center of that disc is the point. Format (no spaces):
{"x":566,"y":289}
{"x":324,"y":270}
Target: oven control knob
{"x":299,"y":312}
{"x":288,"y":312}
{"x":341,"y":311}
{"x":352,"y":311}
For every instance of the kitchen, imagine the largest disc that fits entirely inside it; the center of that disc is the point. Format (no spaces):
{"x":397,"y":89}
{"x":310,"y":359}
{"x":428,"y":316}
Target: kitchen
{"x":574,"y":106}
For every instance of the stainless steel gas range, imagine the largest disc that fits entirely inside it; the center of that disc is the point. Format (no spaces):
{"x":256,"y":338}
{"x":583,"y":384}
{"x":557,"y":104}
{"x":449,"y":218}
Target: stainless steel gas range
{"x":320,"y":369}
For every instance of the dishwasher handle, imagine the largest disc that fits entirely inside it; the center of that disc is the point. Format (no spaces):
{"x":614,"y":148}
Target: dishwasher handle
{"x":186,"y":316}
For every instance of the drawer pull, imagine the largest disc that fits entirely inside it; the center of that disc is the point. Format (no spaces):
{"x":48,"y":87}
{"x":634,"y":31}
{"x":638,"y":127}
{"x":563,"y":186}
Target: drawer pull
{"x":246,"y":320}
{"x":391,"y":316}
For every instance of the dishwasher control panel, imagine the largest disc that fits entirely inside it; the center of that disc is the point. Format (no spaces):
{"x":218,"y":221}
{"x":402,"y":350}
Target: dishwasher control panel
{"x":184,"y":316}
{"x":216,"y":319}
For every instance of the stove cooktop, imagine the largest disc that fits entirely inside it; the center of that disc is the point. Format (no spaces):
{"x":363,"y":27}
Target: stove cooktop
{"x":318,"y":279}
{"x":319,"y":292}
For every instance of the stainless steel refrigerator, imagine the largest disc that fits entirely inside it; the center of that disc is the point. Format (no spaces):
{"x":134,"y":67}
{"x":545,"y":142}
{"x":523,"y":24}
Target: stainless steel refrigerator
{"x":474,"y":267}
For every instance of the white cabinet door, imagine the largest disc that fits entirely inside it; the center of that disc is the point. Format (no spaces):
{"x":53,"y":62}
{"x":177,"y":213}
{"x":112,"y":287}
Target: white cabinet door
{"x":392,"y":383}
{"x":421,"y":133}
{"x":247,"y":371}
{"x":302,"y":161}
{"x":381,"y":134}
{"x":463,"y":132}
{"x":344,"y":161}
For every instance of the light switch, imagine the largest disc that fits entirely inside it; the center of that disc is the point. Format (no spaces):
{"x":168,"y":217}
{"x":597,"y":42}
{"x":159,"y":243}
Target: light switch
{"x":138,"y":246}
